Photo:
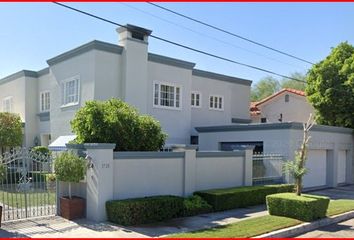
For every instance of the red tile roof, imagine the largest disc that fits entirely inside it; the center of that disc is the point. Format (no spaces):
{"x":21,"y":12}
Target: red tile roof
{"x":254,"y":105}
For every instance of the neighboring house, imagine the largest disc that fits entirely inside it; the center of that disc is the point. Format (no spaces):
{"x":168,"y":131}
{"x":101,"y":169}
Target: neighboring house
{"x":172,"y":90}
{"x":287,"y":105}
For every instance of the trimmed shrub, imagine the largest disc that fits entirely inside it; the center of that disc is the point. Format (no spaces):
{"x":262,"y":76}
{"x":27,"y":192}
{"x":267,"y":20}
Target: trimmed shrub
{"x":195,"y":205}
{"x":305,"y":207}
{"x":114,"y":121}
{"x":144,"y":210}
{"x":41,"y":150}
{"x":230,"y":198}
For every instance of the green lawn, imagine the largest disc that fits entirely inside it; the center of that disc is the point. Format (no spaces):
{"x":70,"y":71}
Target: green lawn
{"x":15,"y":199}
{"x":260,"y":225}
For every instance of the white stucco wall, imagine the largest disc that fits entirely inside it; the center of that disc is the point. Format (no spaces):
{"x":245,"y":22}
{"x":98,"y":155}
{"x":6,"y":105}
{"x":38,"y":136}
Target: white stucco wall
{"x":325,"y":158}
{"x":236,"y":100}
{"x":298,"y":109}
{"x":16,"y":89}
{"x":45,"y":83}
{"x":176,"y":122}
{"x":82,"y":66}
{"x":219,"y":172}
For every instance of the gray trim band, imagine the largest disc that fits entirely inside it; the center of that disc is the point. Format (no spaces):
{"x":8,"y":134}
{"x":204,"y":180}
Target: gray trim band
{"x":272,"y":126}
{"x":44,"y":116}
{"x":217,"y":76}
{"x":42,"y":72}
{"x":147,"y":155}
{"x":152,"y":57}
{"x":99,"y":145}
{"x":240,"y":120}
{"x":221,"y":154}
{"x":97,"y":45}
{"x":22,"y":73}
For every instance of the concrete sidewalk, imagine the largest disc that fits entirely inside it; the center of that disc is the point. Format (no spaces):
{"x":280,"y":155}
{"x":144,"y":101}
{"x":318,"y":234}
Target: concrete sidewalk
{"x":57,"y":227}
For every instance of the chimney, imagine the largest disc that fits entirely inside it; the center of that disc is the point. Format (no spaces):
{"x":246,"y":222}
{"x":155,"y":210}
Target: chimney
{"x":134,"y":89}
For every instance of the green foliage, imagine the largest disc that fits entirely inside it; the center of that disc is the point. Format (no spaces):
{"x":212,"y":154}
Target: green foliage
{"x":114,"y":121}
{"x":3,"y":172}
{"x":51,"y":177}
{"x":144,"y":210}
{"x":41,"y":150}
{"x":330,"y":87}
{"x":264,"y":88}
{"x":270,"y":85}
{"x":69,"y":167}
{"x":305,"y":207}
{"x":10,"y":130}
{"x":195,"y":205}
{"x":230,"y":198}
{"x":295,"y":167}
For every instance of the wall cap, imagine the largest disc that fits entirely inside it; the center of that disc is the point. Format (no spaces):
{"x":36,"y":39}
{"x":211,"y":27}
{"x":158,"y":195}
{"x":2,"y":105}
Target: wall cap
{"x":99,"y":145}
{"x":221,"y":154}
{"x":146,"y":155}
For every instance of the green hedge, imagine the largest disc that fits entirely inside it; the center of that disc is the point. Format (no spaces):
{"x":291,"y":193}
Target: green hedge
{"x":195,"y":205}
{"x":144,"y":210}
{"x":305,"y":207}
{"x":230,"y":198}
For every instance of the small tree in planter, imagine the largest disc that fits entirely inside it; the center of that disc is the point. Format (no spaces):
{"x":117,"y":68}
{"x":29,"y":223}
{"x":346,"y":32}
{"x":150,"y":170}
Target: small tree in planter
{"x":70,"y":168}
{"x":304,"y":207}
{"x":297,"y":167}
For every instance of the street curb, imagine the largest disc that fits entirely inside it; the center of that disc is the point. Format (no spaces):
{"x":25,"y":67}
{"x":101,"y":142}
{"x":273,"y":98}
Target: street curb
{"x":306,"y":227}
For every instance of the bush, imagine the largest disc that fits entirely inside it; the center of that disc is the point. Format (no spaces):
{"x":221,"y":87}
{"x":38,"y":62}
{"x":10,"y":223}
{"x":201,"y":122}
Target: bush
{"x":195,"y":205}
{"x":144,"y":210}
{"x":114,"y":121}
{"x":69,"y":167}
{"x":230,"y":198}
{"x":10,"y":130}
{"x":305,"y":207}
{"x":50,"y":177}
{"x":41,"y":150}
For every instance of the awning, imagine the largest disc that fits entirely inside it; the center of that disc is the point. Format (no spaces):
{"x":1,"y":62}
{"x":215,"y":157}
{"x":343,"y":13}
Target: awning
{"x":59,"y":143}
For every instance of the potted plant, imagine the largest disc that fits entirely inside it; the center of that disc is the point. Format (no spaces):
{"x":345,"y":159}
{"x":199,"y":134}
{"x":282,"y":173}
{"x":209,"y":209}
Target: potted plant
{"x":70,"y":168}
{"x":2,"y":177}
{"x":50,"y":181}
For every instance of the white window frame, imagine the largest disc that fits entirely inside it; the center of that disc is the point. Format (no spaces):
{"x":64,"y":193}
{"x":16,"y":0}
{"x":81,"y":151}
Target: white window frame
{"x":41,"y":109}
{"x":63,"y":91}
{"x":158,"y":105}
{"x":193,"y":104}
{"x":9,"y":98}
{"x":218,"y":97}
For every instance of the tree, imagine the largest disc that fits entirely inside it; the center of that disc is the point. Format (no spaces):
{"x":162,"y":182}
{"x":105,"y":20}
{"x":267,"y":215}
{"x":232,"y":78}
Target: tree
{"x":330,"y":87}
{"x":10,"y":130}
{"x":264,"y":88}
{"x":114,"y":121}
{"x":297,"y":167}
{"x":289,"y":83}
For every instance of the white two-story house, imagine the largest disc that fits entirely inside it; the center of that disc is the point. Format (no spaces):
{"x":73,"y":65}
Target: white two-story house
{"x":171,"y":90}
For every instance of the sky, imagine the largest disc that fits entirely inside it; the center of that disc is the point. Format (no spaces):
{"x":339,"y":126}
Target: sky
{"x":31,"y":33}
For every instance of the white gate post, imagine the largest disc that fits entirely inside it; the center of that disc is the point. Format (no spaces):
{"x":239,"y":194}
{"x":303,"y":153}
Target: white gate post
{"x":248,"y":166}
{"x":99,"y":179}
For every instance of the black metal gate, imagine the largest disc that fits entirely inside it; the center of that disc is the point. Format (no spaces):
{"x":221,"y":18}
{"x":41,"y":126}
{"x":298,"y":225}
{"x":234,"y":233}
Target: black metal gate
{"x":29,"y":186}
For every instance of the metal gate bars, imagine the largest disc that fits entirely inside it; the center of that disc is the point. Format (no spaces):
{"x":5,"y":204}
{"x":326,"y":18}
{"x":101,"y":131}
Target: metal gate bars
{"x":28,"y":188}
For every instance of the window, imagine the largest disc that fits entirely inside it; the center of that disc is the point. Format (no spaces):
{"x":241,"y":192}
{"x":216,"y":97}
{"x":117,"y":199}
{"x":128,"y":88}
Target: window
{"x":167,"y":96}
{"x":70,"y":91}
{"x":44,"y":103}
{"x":216,"y":102}
{"x":196,"y":100}
{"x":287,"y":98}
{"x":7,"y":104}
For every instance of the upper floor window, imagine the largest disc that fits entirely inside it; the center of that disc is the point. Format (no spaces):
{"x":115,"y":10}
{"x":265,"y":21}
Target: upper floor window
{"x":7,"y":104}
{"x":70,"y":91}
{"x":44,"y":104}
{"x":287,"y":98}
{"x":216,"y":102}
{"x":196,"y":99}
{"x":167,"y":95}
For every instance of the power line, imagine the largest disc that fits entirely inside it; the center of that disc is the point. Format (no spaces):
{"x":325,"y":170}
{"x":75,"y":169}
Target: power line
{"x":206,"y":35}
{"x":180,"y":45}
{"x":230,"y":33}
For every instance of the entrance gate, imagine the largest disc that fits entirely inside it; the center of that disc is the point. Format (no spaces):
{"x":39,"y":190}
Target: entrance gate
{"x":28,"y":188}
